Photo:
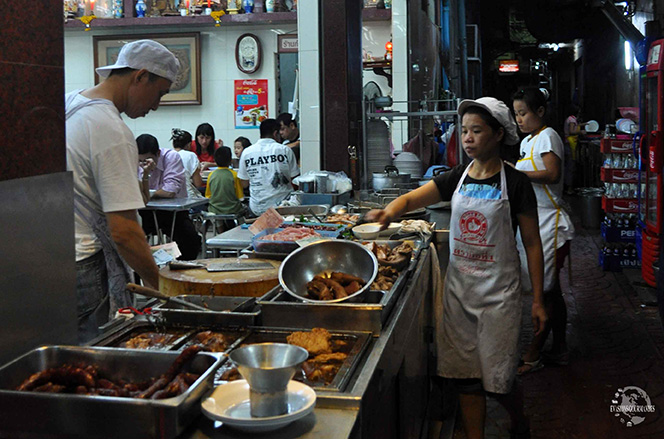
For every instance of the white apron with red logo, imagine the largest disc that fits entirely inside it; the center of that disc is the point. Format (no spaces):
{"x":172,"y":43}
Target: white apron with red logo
{"x":479,"y":333}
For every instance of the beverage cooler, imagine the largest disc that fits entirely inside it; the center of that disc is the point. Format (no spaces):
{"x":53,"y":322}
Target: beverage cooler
{"x":652,"y":151}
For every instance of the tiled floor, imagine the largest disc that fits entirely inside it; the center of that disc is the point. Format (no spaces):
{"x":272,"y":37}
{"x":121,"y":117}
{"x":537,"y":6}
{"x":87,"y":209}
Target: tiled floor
{"x":615,"y":341}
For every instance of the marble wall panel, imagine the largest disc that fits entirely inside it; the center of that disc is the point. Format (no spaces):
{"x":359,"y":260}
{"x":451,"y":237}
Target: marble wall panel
{"x":31,"y":90}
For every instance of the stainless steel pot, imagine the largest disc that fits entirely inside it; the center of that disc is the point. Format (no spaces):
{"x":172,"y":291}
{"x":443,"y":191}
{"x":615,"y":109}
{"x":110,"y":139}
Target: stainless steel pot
{"x":389,"y":178}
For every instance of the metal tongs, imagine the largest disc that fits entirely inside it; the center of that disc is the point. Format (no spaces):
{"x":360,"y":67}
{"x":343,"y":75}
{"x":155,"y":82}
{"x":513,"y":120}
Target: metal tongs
{"x":150,"y":292}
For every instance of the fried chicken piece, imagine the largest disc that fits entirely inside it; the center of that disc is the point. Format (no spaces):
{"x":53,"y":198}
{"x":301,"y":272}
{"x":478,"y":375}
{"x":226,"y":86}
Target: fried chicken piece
{"x":382,"y":283}
{"x":334,"y":357}
{"x":315,"y":342}
{"x":231,"y":375}
{"x":337,"y":288}
{"x":214,"y":341}
{"x":318,"y":290}
{"x":345,"y":278}
{"x":352,"y":288}
{"x":320,"y":372}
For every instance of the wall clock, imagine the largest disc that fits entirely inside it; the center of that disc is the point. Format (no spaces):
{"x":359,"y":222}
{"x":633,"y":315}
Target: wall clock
{"x":248,"y":53}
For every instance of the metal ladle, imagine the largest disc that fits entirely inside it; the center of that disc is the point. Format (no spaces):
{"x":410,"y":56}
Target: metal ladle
{"x":150,"y":292}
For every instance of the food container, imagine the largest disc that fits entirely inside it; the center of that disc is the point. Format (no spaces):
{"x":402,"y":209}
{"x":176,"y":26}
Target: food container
{"x":223,"y":311}
{"x":347,"y":257}
{"x":367,"y":231}
{"x":351,"y":343}
{"x":138,"y":325}
{"x":71,"y":415}
{"x":389,"y":178}
{"x":268,"y":246}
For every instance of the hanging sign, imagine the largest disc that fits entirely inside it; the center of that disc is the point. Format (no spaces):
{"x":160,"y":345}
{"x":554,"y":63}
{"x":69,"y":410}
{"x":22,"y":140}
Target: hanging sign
{"x":250,"y":103}
{"x":287,"y":43}
{"x":508,"y":66}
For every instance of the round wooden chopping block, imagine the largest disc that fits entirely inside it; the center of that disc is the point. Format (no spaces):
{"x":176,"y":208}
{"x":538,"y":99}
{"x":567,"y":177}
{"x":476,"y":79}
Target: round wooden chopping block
{"x":199,"y":281}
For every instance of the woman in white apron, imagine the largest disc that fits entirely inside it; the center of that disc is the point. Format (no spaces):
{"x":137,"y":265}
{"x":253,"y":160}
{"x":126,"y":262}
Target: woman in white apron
{"x":541,"y":160}
{"x":477,"y":341}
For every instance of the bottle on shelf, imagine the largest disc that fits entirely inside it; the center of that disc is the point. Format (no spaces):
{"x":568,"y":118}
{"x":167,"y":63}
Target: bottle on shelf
{"x":141,"y":7}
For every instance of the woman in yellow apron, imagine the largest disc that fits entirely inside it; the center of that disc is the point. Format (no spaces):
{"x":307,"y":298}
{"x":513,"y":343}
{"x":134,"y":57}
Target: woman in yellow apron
{"x":477,"y":341}
{"x":541,"y":160}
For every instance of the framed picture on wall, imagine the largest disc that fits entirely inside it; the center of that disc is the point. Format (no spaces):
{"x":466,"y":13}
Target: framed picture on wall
{"x":186,"y":90}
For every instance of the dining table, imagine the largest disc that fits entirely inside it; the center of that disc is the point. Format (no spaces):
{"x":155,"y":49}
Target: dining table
{"x":174,"y":205}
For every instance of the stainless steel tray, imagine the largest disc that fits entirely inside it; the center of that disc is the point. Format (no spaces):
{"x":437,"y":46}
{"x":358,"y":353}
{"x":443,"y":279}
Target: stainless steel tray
{"x":139,"y":325}
{"x":224,"y":311}
{"x":279,"y":308}
{"x":355,"y":345}
{"x":71,"y":415}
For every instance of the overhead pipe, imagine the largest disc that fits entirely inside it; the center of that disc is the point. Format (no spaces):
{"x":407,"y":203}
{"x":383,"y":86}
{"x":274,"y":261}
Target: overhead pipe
{"x":463,"y":42}
{"x":624,"y":27}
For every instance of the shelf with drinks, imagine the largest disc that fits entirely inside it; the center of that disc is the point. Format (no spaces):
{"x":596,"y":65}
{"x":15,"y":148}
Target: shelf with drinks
{"x":623,"y":145}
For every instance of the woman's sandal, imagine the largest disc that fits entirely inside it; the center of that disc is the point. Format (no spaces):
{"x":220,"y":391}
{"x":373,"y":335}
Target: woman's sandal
{"x":533,"y":366}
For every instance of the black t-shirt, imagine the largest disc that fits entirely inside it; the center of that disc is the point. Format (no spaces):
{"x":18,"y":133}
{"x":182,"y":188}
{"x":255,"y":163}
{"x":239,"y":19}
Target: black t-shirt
{"x":519,"y":189}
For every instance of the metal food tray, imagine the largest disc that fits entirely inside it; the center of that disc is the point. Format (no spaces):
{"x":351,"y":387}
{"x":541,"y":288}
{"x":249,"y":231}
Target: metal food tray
{"x":140,"y":325}
{"x":357,"y":344}
{"x":278,"y":307}
{"x":72,"y":415}
{"x":223,"y":311}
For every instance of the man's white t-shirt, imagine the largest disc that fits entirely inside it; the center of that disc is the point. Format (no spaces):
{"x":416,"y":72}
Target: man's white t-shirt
{"x":269,"y":166}
{"x":102,"y":154}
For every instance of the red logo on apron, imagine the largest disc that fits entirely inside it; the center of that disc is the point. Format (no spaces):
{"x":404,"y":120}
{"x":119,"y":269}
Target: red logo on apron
{"x":473,"y":225}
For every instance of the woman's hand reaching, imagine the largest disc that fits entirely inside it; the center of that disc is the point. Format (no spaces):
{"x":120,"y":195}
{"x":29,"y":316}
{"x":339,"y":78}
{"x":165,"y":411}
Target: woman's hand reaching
{"x":378,"y":216}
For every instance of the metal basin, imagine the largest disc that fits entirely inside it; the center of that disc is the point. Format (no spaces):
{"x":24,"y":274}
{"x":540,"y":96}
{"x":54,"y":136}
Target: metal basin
{"x":325,"y":256}
{"x":306,"y":210}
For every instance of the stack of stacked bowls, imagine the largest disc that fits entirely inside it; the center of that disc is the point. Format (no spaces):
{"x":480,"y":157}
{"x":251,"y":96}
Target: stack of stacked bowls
{"x":378,"y":146}
{"x":409,"y":163}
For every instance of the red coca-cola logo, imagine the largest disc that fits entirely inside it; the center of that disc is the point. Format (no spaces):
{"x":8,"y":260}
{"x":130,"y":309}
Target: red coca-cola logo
{"x":473,"y":226}
{"x":626,"y":175}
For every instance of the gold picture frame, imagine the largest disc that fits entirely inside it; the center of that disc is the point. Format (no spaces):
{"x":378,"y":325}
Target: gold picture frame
{"x":186,"y":90}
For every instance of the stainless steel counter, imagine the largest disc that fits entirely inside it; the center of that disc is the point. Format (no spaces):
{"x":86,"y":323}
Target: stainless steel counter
{"x":388,"y":395}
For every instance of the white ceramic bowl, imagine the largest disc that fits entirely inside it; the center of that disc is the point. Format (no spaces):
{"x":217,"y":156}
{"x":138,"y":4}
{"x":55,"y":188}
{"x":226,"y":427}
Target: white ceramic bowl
{"x":367,"y":231}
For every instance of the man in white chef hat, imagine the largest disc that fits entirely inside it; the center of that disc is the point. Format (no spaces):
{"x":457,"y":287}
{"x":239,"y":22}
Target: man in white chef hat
{"x":102,"y":154}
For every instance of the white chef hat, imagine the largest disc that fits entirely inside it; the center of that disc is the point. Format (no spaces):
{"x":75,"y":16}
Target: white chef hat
{"x":148,"y":55}
{"x":497,"y":109}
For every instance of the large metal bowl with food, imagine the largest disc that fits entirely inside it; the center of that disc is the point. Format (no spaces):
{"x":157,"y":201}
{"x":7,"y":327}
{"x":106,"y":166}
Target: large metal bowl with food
{"x":335,"y":261}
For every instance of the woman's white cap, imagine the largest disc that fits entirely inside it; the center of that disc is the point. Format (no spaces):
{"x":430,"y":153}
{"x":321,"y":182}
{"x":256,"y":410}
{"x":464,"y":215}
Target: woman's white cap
{"x":148,"y":55}
{"x":497,"y":109}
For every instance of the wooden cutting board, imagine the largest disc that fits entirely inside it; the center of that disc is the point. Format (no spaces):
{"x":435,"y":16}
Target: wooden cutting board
{"x":198,"y":281}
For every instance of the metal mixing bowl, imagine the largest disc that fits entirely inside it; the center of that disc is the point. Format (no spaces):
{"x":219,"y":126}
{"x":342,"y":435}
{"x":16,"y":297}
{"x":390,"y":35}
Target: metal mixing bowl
{"x":325,"y":256}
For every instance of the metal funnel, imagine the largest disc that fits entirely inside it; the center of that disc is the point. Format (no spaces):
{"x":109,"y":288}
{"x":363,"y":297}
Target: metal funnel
{"x":268,"y":367}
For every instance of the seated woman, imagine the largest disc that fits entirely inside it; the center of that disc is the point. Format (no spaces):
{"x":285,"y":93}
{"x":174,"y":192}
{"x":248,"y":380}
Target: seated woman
{"x":192,"y":167}
{"x":204,"y":145}
{"x":224,"y":188}
{"x":164,"y":173}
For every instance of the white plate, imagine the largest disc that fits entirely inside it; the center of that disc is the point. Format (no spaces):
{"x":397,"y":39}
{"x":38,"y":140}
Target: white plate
{"x":229,"y":403}
{"x":592,"y":126}
{"x":391,"y":229}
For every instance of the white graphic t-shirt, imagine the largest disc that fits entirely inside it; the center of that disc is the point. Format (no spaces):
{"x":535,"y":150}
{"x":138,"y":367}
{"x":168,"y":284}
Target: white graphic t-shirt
{"x":269,"y":166}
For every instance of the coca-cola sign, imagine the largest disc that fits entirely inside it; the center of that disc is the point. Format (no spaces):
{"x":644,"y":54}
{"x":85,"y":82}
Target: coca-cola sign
{"x":626,"y":176}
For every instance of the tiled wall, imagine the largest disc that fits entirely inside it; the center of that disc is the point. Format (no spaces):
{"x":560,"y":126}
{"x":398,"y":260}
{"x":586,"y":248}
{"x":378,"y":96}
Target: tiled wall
{"x":32,"y":122}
